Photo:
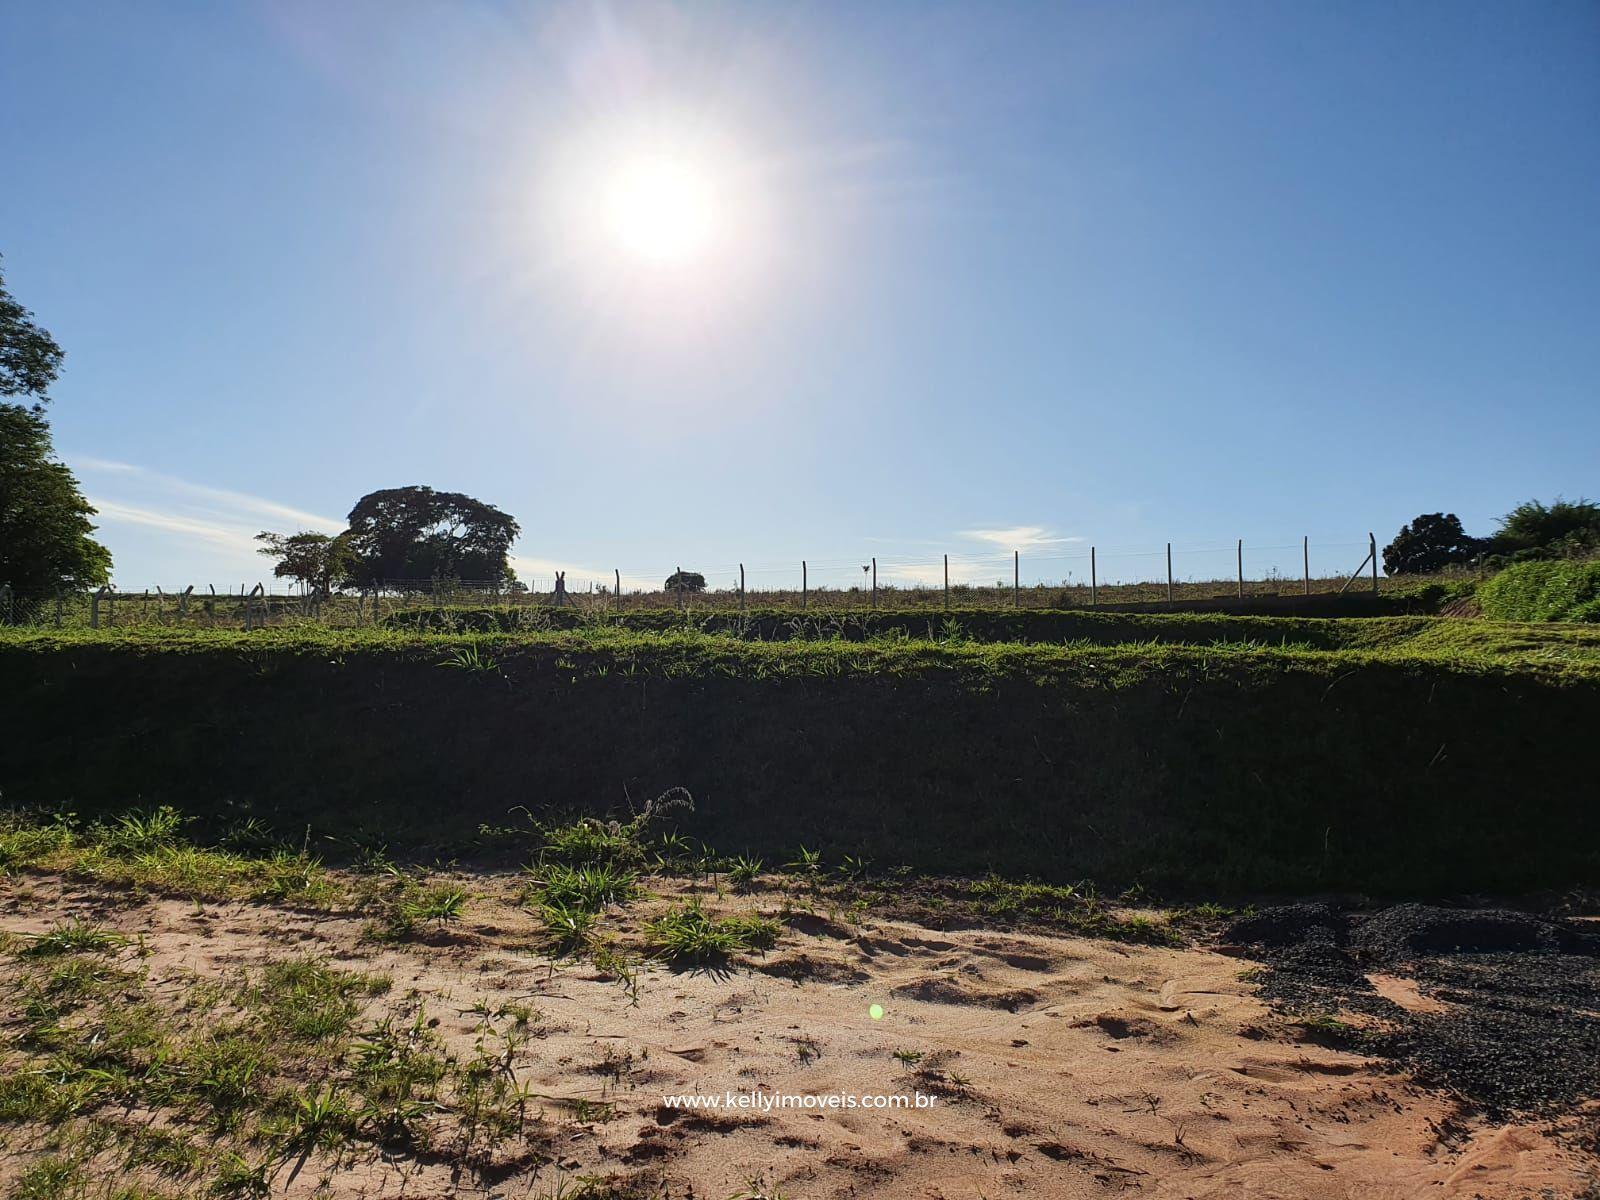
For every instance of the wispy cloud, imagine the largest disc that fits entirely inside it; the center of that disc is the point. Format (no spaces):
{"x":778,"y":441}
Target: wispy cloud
{"x":1019,"y":537}
{"x":221,"y":501}
{"x":233,"y":537}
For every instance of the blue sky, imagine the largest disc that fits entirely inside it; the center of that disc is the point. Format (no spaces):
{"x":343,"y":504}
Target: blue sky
{"x":980,"y":276}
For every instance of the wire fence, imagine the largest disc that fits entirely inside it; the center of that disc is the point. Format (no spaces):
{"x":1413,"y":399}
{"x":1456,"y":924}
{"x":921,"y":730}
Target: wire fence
{"x":1076,"y":577}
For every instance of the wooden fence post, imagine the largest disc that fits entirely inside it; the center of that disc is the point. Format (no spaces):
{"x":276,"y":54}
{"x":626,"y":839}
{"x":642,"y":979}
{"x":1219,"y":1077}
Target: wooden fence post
{"x":1094,"y":581}
{"x":741,"y":587}
{"x":947,"y":583}
{"x":1305,"y":554}
{"x":803,"y":584}
{"x":617,"y":595}
{"x":1241,"y":568}
{"x":874,"y":583}
{"x":1372,"y":548}
{"x":1016,"y":579}
{"x":1169,"y":572}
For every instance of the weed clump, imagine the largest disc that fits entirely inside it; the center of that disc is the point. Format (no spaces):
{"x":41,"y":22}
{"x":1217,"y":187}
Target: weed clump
{"x":689,"y":934}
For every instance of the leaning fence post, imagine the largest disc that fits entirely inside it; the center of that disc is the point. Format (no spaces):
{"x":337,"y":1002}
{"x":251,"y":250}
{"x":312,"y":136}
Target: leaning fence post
{"x":874,"y":583}
{"x":1016,"y":579}
{"x":249,"y":606}
{"x":1372,"y":549}
{"x":1241,"y":568}
{"x":617,"y":595}
{"x":741,"y":587}
{"x":1094,"y":581}
{"x":947,"y":583}
{"x":1169,"y":572}
{"x":804,"y":583}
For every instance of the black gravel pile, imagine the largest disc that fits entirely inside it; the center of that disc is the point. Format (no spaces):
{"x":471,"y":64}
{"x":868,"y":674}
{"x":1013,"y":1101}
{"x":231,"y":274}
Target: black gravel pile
{"x":1407,"y":931}
{"x":1522,"y":1030}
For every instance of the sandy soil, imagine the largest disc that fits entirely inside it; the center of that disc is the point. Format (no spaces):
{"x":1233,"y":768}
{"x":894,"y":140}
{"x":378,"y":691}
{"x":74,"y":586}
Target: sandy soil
{"x":1059,"y":1066}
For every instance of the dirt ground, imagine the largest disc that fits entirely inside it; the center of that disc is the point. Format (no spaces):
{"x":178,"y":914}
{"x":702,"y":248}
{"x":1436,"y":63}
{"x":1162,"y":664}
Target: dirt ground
{"x":1057,"y":1066}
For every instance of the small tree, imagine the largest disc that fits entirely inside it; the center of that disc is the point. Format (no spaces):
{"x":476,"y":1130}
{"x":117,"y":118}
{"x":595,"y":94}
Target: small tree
{"x":1430,"y":543}
{"x":320,"y":562}
{"x":686,"y":581}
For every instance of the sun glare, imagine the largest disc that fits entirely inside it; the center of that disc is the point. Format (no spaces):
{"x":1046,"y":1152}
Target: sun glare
{"x":661,"y":209}
{"x":661,"y":224}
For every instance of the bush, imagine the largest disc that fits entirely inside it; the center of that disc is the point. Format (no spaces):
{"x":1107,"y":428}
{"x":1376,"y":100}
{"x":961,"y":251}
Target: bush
{"x":1543,"y":591}
{"x":1564,"y":529}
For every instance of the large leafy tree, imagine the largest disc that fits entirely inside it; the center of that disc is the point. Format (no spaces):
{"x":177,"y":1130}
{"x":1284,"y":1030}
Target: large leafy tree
{"x":418,"y":534}
{"x":44,"y":519}
{"x":317,"y":560}
{"x":1430,"y":543}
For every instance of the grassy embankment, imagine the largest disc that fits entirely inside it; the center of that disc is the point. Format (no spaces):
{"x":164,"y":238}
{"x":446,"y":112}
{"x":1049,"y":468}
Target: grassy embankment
{"x":1544,"y":591}
{"x":1398,"y":756}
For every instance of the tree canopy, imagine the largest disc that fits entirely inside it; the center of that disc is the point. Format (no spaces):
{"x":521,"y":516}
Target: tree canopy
{"x":317,"y":560}
{"x":1431,"y":542}
{"x":44,"y":518}
{"x":1531,"y":530}
{"x":416,"y":533}
{"x":685,"y":581}
{"x":1534,"y":529}
{"x":30,"y":360}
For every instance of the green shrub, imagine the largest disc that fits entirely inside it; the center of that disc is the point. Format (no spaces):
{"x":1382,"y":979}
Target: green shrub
{"x":1544,"y":591}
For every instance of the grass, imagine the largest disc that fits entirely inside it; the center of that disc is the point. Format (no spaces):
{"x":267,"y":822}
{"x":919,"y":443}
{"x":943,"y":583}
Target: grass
{"x":687,"y":933}
{"x":146,"y":851}
{"x":1320,"y":754}
{"x":774,"y":647}
{"x":1218,"y":752}
{"x":74,"y":937}
{"x":588,"y":888}
{"x":1562,"y":590}
{"x":1073,"y":908}
{"x":246,"y":1077}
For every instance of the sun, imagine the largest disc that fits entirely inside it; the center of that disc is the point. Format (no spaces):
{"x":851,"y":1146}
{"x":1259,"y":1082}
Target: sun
{"x":662,"y":208}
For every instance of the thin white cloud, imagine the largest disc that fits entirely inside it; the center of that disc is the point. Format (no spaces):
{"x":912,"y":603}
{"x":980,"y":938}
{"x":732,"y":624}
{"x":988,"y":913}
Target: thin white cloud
{"x":1019,"y":537}
{"x":234,"y":537}
{"x":225,"y":501}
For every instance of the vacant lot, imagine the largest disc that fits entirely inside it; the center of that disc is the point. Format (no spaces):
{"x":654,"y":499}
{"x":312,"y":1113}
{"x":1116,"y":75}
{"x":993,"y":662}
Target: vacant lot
{"x":384,"y":912}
